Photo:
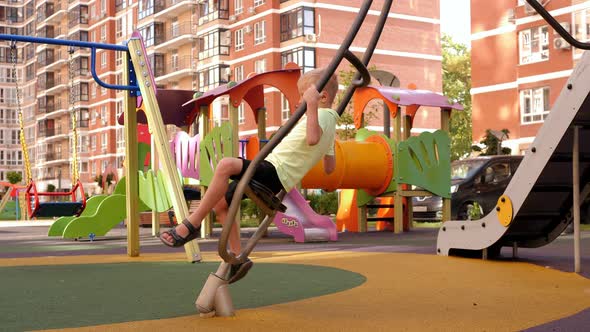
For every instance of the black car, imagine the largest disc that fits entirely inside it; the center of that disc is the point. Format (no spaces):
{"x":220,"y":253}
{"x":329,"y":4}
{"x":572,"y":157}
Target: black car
{"x":476,"y":185}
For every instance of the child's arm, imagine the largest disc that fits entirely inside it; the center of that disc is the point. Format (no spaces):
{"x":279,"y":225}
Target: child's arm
{"x":314,"y":131}
{"x":329,"y":164}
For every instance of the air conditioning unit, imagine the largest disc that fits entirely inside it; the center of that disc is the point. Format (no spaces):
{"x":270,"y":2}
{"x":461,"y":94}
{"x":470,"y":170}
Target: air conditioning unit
{"x":227,"y":71}
{"x":232,"y":18}
{"x":248,"y":28}
{"x":561,"y":44}
{"x":311,"y":38}
{"x":252,"y":10}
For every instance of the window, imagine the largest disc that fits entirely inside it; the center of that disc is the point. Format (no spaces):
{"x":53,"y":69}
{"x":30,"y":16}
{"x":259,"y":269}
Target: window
{"x":210,"y":10}
{"x":258,"y":3}
{"x":297,"y":22}
{"x":103,"y":59}
{"x":146,"y":8}
{"x":534,"y":105}
{"x":241,"y":115}
{"x":152,"y":34}
{"x":239,"y":37}
{"x":260,"y":66}
{"x":92,"y":142}
{"x":212,"y":76}
{"x":103,"y":32}
{"x":304,"y":57}
{"x":238,"y":7}
{"x":120,"y":138}
{"x":104,"y":140}
{"x":259,"y":32}
{"x":581,"y":29}
{"x":214,"y":43}
{"x":239,"y":73}
{"x":285,"y":111}
{"x":534,"y":45}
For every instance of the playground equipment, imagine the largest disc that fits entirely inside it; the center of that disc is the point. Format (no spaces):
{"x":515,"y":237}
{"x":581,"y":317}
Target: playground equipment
{"x":214,"y":298}
{"x":35,"y":207}
{"x":394,"y":165}
{"x":544,"y":194}
{"x":139,"y":79}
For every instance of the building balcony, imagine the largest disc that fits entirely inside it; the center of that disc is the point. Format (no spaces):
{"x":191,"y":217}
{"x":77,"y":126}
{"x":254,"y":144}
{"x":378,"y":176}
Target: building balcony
{"x":60,"y":10}
{"x":173,"y":8}
{"x":177,"y":69}
{"x":175,"y":37}
{"x":213,"y":16}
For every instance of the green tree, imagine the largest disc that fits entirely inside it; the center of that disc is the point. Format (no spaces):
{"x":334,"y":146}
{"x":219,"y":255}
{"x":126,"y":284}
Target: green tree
{"x":456,"y":67}
{"x":346,"y":122}
{"x":14,"y":177}
{"x":492,"y":143}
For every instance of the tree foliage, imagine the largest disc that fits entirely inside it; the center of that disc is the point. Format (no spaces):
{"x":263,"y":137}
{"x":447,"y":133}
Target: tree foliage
{"x":456,"y":86}
{"x":14,"y":177}
{"x":346,"y":129}
{"x":492,"y":143}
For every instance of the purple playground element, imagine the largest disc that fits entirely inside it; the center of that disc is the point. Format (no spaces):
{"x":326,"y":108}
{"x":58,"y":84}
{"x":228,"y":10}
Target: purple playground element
{"x":185,"y":151}
{"x":407,"y":97}
{"x":302,"y":222}
{"x":170,"y":103}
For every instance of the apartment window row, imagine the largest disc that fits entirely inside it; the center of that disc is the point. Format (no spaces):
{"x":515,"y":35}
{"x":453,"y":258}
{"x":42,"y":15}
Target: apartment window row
{"x":11,"y":158}
{"x":297,"y":22}
{"x":9,"y":116}
{"x":534,"y":105}
{"x":213,"y":76}
{"x":534,"y":44}
{"x":214,"y":43}
{"x":9,"y":136}
{"x":210,"y":10}
{"x":304,"y":57}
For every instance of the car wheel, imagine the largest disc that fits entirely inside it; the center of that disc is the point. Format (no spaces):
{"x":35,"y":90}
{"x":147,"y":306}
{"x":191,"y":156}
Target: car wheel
{"x":470,"y":211}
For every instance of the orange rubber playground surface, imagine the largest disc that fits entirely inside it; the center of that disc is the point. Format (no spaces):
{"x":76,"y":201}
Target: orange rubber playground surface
{"x":364,"y":282}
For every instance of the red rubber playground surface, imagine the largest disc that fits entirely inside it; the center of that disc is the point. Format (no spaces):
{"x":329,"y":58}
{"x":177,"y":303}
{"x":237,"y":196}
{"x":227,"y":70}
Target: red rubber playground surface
{"x":364,"y":282}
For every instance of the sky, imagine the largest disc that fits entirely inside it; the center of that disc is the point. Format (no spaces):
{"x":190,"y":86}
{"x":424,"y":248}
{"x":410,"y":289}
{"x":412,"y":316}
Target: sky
{"x":455,"y":20}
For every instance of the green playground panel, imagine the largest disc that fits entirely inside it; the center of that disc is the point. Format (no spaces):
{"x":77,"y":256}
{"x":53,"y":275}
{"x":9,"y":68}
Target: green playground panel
{"x":92,"y":204}
{"x":425,"y":161}
{"x":216,"y":145}
{"x":107,"y":211}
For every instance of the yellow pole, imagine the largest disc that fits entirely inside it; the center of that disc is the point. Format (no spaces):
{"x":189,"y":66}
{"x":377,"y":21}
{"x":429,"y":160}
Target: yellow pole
{"x":445,"y":124}
{"x":5,"y":199}
{"x":162,"y":147}
{"x":398,"y":222}
{"x":131,"y":166}
{"x":204,"y":130}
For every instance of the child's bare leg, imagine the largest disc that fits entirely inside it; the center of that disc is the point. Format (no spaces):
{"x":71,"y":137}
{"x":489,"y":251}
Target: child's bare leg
{"x":235,"y":244}
{"x":215,"y":192}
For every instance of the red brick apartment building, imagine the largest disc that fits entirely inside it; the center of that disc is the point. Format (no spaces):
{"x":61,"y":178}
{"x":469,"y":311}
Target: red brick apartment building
{"x":193,"y":45}
{"x":520,"y":65}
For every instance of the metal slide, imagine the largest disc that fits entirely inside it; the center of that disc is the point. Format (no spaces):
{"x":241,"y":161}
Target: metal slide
{"x":540,"y":193}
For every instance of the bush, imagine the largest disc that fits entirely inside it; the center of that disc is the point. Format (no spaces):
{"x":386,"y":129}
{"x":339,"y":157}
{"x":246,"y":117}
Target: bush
{"x":249,"y":208}
{"x":50,"y":188}
{"x":325,"y":203}
{"x":14,"y":177}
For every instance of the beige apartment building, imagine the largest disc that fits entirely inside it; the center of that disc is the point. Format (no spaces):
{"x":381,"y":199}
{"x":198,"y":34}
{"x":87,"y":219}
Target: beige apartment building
{"x":192,"y":45}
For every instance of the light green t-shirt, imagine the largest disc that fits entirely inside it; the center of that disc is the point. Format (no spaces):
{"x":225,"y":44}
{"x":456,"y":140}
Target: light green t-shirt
{"x":293,"y":157}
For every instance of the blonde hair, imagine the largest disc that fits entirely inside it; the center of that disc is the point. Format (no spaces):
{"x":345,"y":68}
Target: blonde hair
{"x":315,"y":75}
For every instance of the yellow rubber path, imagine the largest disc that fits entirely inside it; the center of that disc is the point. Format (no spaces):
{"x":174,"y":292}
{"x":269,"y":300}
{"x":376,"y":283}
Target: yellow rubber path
{"x":403,"y":292}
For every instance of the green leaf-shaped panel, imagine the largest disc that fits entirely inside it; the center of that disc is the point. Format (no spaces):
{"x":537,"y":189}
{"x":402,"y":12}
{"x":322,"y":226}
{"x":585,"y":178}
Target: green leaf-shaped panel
{"x":425,"y":161}
{"x":216,"y":145}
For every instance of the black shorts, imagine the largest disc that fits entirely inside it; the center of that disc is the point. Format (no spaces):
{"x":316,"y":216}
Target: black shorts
{"x":265,"y":173}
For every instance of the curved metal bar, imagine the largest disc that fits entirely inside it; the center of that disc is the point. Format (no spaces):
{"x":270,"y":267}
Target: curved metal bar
{"x":368,"y":53}
{"x":362,"y":69}
{"x":555,"y":25}
{"x":53,"y":41}
{"x":226,"y":255}
{"x":100,"y":82}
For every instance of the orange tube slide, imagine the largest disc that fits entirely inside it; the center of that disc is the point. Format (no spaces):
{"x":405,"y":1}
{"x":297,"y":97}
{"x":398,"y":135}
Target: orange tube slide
{"x":359,"y":165}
